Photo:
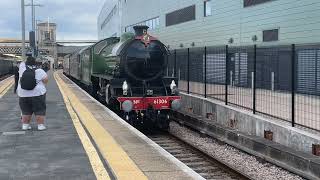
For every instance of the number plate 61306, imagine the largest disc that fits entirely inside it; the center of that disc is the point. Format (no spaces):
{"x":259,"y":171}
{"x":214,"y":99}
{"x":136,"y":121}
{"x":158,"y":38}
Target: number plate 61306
{"x":160,"y":101}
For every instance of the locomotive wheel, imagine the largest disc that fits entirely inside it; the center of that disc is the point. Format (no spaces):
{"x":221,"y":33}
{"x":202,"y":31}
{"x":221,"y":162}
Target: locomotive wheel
{"x":90,"y":90}
{"x":129,"y":117}
{"x":162,"y":121}
{"x":114,"y":105}
{"x":108,"y":95}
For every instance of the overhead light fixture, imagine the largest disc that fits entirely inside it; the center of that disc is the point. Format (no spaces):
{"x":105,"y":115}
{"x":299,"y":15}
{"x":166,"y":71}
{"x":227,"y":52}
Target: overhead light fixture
{"x":254,"y":38}
{"x":230,"y":41}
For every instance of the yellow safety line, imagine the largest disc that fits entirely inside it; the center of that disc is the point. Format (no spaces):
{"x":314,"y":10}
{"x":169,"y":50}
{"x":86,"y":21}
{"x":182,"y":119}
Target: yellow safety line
{"x":95,"y":161}
{"x":5,"y":87}
{"x":121,"y":164}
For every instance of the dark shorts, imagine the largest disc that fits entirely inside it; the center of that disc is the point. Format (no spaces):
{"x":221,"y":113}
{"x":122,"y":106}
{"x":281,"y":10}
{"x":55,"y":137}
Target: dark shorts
{"x":33,"y":105}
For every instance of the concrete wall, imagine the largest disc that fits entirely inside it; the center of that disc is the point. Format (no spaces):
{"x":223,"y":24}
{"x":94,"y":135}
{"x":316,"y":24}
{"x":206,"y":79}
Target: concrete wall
{"x":249,"y":123}
{"x":297,"y":20}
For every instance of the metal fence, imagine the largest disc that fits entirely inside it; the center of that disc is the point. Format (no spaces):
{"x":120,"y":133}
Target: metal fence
{"x":282,"y":82}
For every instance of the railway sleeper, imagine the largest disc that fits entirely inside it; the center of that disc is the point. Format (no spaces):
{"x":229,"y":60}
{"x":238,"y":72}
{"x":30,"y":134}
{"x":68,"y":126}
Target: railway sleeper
{"x":200,"y":165}
{"x":207,"y":175}
{"x":190,"y":159}
{"x":168,"y":145}
{"x":182,"y":155}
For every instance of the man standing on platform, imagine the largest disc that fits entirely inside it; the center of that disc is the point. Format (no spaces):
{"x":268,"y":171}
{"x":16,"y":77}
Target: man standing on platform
{"x":16,"y":76}
{"x":32,"y":93}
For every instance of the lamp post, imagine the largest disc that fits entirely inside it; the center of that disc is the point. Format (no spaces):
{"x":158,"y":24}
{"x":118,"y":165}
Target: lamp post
{"x":23,"y":46}
{"x":37,"y":37}
{"x":32,"y":37}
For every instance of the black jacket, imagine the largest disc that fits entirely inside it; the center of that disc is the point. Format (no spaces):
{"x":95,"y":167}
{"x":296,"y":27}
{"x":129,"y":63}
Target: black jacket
{"x":16,"y":78}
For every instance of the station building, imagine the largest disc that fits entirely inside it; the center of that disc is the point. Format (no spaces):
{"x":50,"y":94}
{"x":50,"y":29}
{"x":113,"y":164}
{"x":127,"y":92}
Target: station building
{"x":190,"y":23}
{"x":47,"y":40}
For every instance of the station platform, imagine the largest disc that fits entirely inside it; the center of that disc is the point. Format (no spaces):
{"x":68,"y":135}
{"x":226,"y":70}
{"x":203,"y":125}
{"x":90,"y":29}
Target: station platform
{"x":84,"y":140}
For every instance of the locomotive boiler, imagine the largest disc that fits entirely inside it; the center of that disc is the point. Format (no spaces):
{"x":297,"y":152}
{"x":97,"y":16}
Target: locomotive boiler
{"x":127,"y":74}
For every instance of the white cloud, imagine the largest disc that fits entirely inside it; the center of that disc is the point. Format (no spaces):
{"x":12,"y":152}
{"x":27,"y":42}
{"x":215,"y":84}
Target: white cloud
{"x":76,"y":19}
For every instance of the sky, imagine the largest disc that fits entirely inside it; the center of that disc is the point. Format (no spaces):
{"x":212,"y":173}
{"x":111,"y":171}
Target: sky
{"x":75,"y":19}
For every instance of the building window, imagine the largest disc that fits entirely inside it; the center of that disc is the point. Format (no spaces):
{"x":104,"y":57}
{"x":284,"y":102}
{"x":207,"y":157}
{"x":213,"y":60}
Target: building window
{"x":181,"y":16}
{"x":207,"y":8}
{"x":247,"y":3}
{"x":47,"y":36}
{"x":271,"y":35}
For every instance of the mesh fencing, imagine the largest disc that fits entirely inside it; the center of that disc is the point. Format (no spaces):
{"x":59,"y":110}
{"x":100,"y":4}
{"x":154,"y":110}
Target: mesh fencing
{"x":216,"y":72}
{"x":240,"y":69}
{"x":307,"y":78}
{"x":282,"y":82}
{"x":274,"y":82}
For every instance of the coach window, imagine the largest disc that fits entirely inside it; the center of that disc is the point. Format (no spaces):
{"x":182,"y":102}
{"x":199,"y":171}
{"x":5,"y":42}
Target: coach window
{"x":207,"y":8}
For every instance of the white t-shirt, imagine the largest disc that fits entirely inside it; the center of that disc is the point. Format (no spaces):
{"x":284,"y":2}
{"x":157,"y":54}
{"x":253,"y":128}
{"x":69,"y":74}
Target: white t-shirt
{"x":39,"y":90}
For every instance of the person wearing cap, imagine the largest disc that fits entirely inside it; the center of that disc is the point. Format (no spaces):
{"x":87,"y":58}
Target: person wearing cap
{"x":33,"y":101}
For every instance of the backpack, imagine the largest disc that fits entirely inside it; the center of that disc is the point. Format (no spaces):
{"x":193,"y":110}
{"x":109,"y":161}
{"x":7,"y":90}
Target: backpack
{"x":28,"y":79}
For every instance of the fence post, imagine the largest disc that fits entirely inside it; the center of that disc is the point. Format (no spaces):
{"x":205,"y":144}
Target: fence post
{"x":205,"y":72}
{"x":227,"y":75}
{"x":272,"y":81}
{"x":293,"y":62}
{"x":254,"y":78}
{"x":175,"y":63}
{"x":188,"y":75}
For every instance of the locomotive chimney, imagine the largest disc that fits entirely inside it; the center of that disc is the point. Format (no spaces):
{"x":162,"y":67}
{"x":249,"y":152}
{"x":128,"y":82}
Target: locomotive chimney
{"x":139,"y":30}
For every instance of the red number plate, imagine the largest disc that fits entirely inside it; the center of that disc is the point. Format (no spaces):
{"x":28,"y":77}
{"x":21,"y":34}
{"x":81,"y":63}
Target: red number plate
{"x":140,"y":103}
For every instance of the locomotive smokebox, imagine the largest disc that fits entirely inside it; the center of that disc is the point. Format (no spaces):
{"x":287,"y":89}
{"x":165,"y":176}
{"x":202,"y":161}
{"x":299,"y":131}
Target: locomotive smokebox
{"x":140,"y":30}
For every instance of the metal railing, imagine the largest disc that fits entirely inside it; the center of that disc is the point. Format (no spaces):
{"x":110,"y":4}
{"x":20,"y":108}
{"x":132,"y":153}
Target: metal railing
{"x":282,"y":82}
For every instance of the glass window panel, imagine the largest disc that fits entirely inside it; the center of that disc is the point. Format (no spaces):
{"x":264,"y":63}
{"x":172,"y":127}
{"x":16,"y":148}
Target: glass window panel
{"x":149,"y":24}
{"x":180,"y":16}
{"x":158,"y":21}
{"x":208,"y":8}
{"x":154,"y":23}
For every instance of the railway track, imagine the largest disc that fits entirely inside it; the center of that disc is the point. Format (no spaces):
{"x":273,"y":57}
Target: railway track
{"x":201,"y":163}
{"x":206,"y":166}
